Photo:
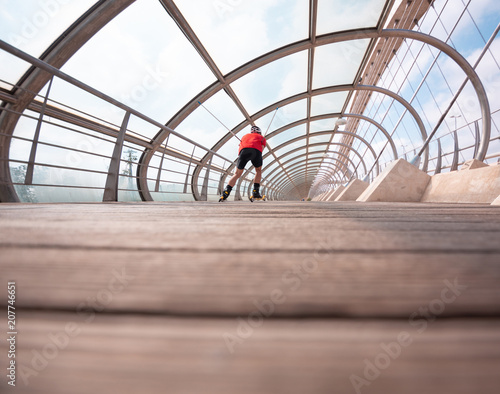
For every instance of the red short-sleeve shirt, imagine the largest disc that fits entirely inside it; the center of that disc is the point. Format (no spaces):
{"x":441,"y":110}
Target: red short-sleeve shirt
{"x":253,"y":140}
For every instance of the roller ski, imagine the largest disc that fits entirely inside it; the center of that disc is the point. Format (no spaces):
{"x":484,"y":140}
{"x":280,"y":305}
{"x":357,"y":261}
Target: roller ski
{"x":225,"y":194}
{"x":256,"y":196}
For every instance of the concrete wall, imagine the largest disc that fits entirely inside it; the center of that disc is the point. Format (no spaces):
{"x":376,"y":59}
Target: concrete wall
{"x":336,"y":193}
{"x":399,"y":182}
{"x":353,"y":190}
{"x":473,"y":184}
{"x":476,"y":182}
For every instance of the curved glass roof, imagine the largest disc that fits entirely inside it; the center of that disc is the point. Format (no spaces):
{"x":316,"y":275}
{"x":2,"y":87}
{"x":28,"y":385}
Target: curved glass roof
{"x":208,"y":70}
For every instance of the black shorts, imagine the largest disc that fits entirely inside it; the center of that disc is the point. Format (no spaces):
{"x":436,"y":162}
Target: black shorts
{"x":249,"y":154}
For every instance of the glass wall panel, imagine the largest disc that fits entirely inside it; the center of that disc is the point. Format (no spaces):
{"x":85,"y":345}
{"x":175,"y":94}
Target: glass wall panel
{"x":248,"y":28}
{"x":328,"y":103}
{"x":32,"y":25}
{"x":133,"y":62}
{"x":273,"y":82}
{"x":338,"y":15}
{"x":338,"y":63}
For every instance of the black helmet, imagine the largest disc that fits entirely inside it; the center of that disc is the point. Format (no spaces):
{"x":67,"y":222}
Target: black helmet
{"x":255,"y":129}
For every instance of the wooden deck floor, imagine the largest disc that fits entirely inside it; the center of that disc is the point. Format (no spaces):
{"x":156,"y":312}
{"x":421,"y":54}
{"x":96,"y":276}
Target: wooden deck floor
{"x":274,"y":297}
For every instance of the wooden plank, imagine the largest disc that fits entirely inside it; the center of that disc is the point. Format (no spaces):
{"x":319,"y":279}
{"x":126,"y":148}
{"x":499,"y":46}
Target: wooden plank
{"x":131,"y":354}
{"x":155,"y":287}
{"x":221,"y":283}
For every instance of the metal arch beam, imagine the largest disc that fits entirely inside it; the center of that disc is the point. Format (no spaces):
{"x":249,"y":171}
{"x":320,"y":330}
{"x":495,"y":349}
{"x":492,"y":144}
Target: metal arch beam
{"x":188,"y":31}
{"x":278,"y":179}
{"x":298,"y":149}
{"x":328,"y":178}
{"x":311,"y":145}
{"x":333,"y":89}
{"x":303,"y":121}
{"x":331,"y":176}
{"x":347,"y":36}
{"x":324,"y":143}
{"x":326,"y":90}
{"x":324,"y":183}
{"x":301,"y":191}
{"x":346,"y":166}
{"x":299,"y":177}
{"x":320,"y":144}
{"x":235,"y":75}
{"x":293,"y":189}
{"x":469,"y":72}
{"x":294,"y":158}
{"x":57,"y":54}
{"x":301,"y":161}
{"x":322,"y":178}
{"x":410,"y":109}
{"x":324,"y":174}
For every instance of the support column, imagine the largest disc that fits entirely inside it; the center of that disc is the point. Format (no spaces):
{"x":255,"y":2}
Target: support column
{"x":111,"y":188}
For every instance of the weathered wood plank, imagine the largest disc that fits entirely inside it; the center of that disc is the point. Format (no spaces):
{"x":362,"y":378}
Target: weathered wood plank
{"x":220,"y":283}
{"x":131,"y":354}
{"x":153,"y":289}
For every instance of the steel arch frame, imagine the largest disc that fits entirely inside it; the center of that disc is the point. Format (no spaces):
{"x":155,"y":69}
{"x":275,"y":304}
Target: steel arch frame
{"x":277,"y":179}
{"x":347,"y":36}
{"x":331,"y":89}
{"x":297,"y":139}
{"x":298,"y":175}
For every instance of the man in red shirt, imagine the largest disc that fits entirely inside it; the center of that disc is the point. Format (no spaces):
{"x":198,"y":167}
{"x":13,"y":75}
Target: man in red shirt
{"x":251,"y":147}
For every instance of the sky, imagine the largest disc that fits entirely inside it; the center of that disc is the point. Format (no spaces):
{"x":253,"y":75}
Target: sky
{"x":143,"y":60}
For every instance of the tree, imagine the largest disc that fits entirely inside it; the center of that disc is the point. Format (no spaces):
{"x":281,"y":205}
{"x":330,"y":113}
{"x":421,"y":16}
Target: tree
{"x":26,"y":193}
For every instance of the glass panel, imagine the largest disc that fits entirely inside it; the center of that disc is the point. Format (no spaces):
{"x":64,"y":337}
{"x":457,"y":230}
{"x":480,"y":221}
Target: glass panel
{"x":284,"y":115}
{"x":322,"y":125}
{"x":63,"y":177}
{"x":203,"y":127}
{"x":61,"y":136}
{"x":32,"y":25}
{"x":26,"y":125}
{"x":284,"y":157}
{"x":280,"y":151}
{"x":318,"y":148}
{"x":230,"y":149}
{"x":12,"y":69}
{"x":287,"y":135}
{"x":180,"y":145}
{"x":66,"y":158}
{"x":140,"y":128}
{"x":20,"y":150}
{"x":320,"y":138}
{"x":338,"y":64}
{"x":139,"y":69}
{"x":294,"y":161}
{"x":82,"y":102}
{"x":328,"y":103}
{"x":127,"y":189}
{"x":338,"y":15}
{"x":248,"y":28}
{"x":65,"y":194}
{"x":270,"y":169}
{"x":273,"y":82}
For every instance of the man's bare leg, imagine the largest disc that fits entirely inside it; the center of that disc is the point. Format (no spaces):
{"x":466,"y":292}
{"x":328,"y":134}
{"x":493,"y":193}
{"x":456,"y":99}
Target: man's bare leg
{"x":235,"y":177}
{"x":258,"y":175}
